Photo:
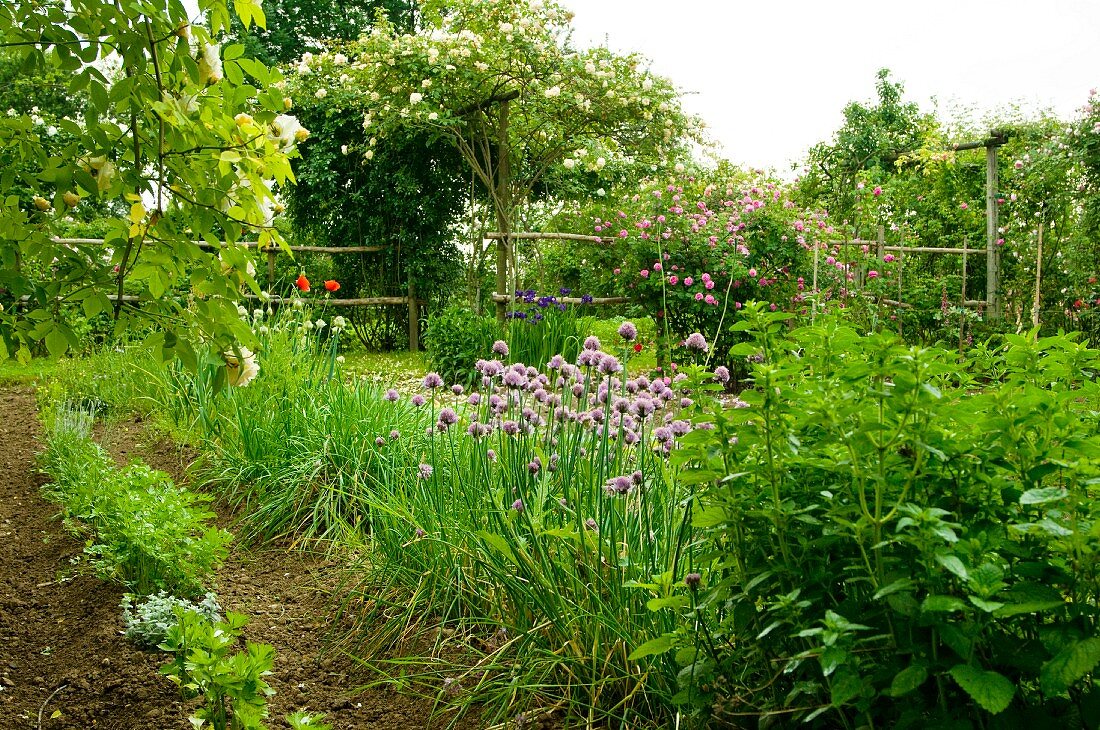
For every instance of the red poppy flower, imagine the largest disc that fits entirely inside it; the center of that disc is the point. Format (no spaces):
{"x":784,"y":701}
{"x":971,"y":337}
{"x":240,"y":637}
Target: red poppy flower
{"x":637,"y":347}
{"x":332,"y":285}
{"x":302,"y":283}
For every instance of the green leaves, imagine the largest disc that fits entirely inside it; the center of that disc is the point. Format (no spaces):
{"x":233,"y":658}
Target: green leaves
{"x":1069,"y":666}
{"x":991,"y":690}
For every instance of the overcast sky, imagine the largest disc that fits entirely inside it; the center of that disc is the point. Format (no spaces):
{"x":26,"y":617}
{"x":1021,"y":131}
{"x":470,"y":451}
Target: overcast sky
{"x":771,"y":77}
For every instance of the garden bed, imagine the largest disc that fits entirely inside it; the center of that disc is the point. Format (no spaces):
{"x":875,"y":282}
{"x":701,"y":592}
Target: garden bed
{"x":60,"y":627}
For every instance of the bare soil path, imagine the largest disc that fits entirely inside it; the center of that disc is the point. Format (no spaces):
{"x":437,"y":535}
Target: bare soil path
{"x":64,"y":664}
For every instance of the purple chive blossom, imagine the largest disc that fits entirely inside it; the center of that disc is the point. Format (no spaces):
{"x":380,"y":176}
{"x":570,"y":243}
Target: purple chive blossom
{"x":510,"y":427}
{"x":474,"y":399}
{"x":722,"y":374}
{"x":500,"y":347}
{"x":644,"y":407}
{"x":534,"y":466}
{"x":418,"y":401}
{"x":591,"y":524}
{"x":680,"y":428}
{"x":420,"y":532}
{"x":391,"y":395}
{"x":448,"y":417}
{"x":424,"y":471}
{"x":491,"y":455}
{"x":628,"y":331}
{"x":457,"y":389}
{"x":662,"y":434}
{"x":433,"y":381}
{"x":591,"y":343}
{"x":636,"y":478}
{"x":395,"y":434}
{"x":686,"y":402}
{"x":555,"y":362}
{"x":610,"y":365}
{"x":630,"y":438}
{"x":380,"y":441}
{"x":696,"y":341}
{"x":692,"y":580}
{"x":518,"y":505}
{"x":578,"y":390}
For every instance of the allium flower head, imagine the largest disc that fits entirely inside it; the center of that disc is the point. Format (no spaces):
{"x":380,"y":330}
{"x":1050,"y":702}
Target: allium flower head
{"x":433,"y":381}
{"x":591,"y":343}
{"x":500,"y":347}
{"x":424,"y":471}
{"x":696,"y":341}
{"x":628,"y":331}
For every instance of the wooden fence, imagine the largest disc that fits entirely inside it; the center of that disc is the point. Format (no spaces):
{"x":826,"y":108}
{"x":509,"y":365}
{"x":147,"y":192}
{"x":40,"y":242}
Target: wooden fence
{"x":271,"y":253}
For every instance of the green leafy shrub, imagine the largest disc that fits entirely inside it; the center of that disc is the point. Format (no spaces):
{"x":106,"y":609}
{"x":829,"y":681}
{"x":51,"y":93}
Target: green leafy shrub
{"x":205,"y":664}
{"x":208,"y":663}
{"x":144,"y":531}
{"x":899,"y":539}
{"x":148,"y":620}
{"x":456,"y":339}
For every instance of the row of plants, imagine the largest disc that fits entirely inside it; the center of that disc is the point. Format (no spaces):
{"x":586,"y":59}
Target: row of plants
{"x":157,"y":540}
{"x":143,"y":531}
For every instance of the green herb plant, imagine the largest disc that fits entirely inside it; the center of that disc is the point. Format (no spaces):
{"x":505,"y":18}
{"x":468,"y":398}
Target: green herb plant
{"x":895,"y":537}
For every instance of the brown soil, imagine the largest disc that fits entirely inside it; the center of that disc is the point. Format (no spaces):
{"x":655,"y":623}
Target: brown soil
{"x":60,"y":645}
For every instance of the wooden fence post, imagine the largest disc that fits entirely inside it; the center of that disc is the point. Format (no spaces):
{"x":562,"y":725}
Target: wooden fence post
{"x":1038,"y":279}
{"x":414,"y":319}
{"x":992,"y":253}
{"x":881,"y":240}
{"x":271,"y":253}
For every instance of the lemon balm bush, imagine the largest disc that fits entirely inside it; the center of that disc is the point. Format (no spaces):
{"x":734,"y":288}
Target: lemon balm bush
{"x":533,"y":525}
{"x":898,"y":538}
{"x":144,"y":531}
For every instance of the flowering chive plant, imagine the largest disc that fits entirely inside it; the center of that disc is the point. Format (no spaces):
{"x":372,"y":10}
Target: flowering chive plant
{"x":577,"y":516}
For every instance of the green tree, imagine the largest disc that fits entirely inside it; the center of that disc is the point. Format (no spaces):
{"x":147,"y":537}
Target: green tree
{"x":295,"y":27}
{"x":502,"y":83}
{"x":865,"y":148}
{"x":163,"y":137}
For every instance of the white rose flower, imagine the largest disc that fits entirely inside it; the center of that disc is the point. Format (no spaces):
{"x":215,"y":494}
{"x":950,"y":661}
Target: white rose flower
{"x":506,"y":28}
{"x":241,"y":370}
{"x":369,"y":154}
{"x":569,"y":163}
{"x":415,"y":98}
{"x":679,"y":167}
{"x":600,"y":162}
{"x":552,"y":92}
{"x":321,"y":93}
{"x":343,"y":149}
{"x":433,"y":116}
{"x":426,"y":83}
{"x":210,"y":65}
{"x":304,"y":69}
{"x":339,"y":59}
{"x":647,"y":84}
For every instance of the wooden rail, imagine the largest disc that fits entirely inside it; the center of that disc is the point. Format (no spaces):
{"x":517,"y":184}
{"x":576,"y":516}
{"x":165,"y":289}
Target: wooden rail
{"x":496,"y":236}
{"x":566,"y":300}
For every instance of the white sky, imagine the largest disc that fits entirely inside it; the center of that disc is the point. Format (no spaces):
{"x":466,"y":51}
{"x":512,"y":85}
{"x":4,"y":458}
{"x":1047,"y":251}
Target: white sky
{"x":771,"y":77}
